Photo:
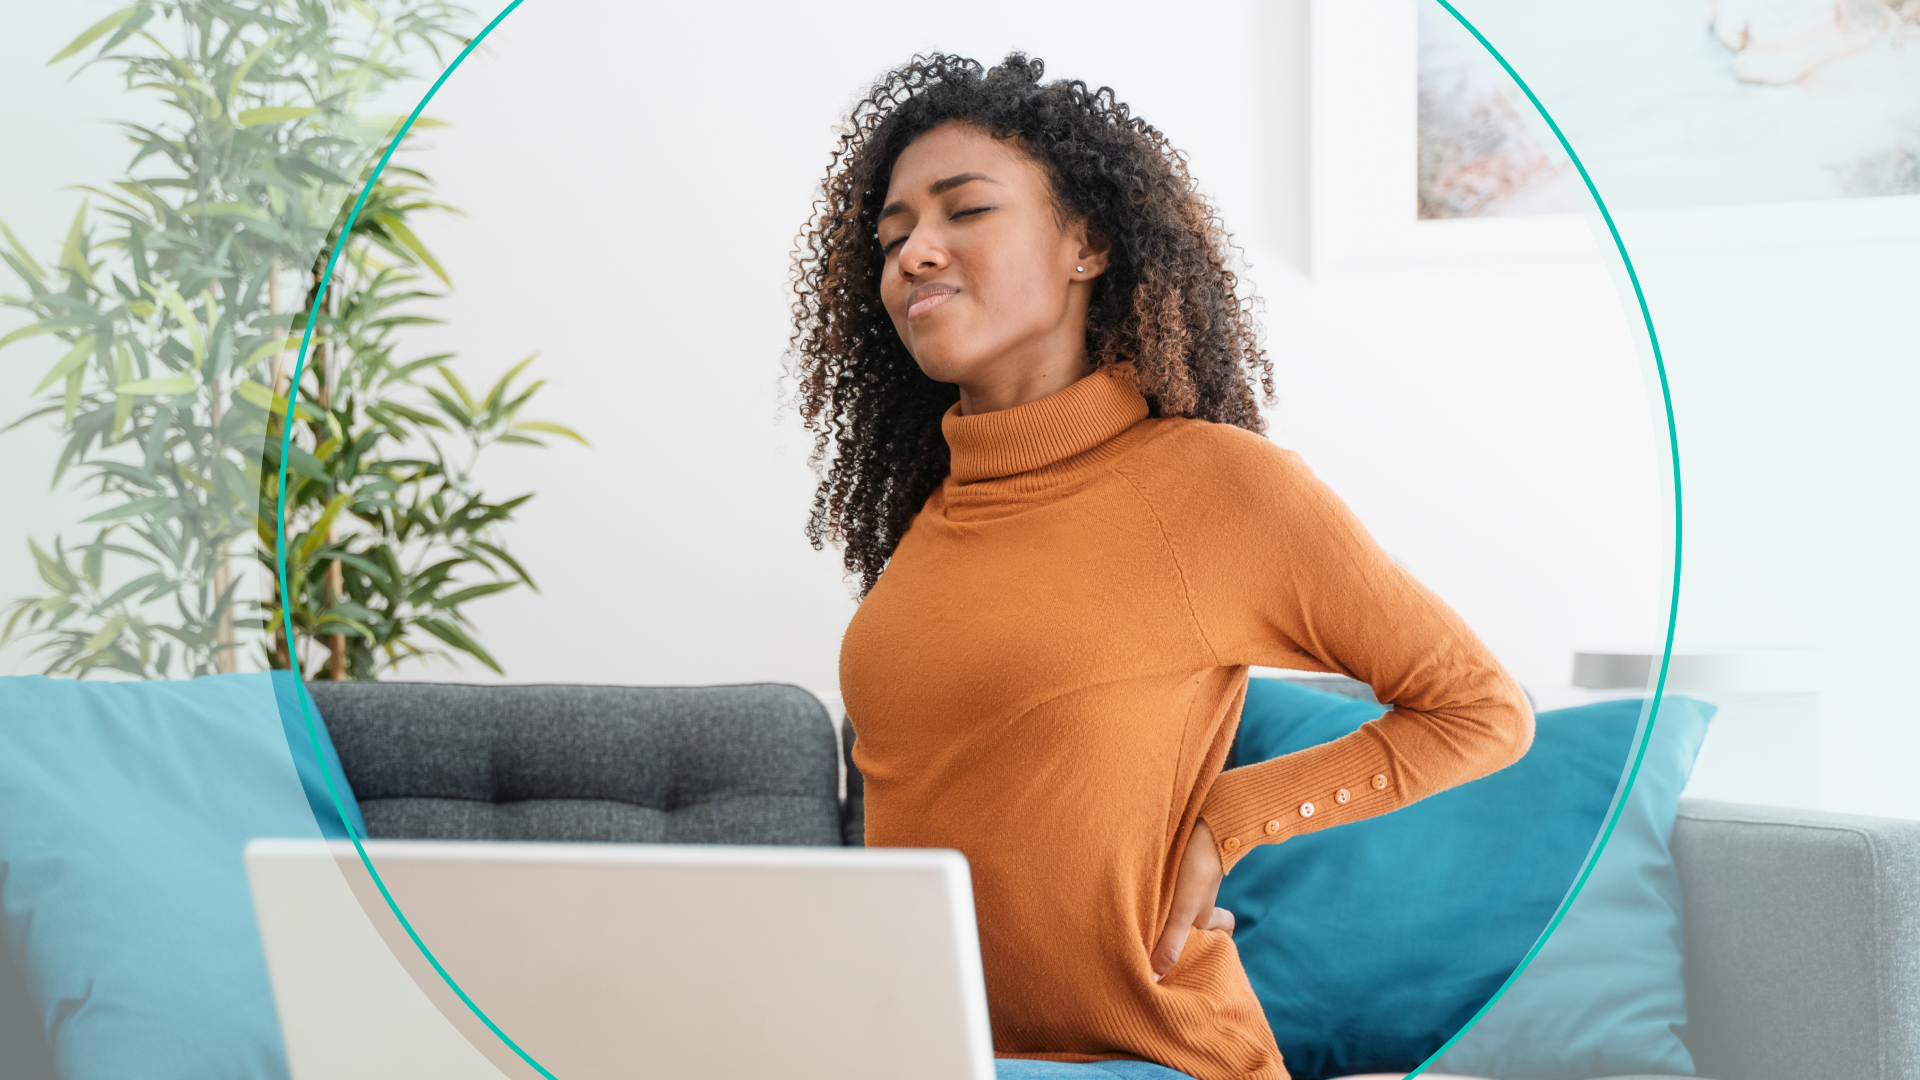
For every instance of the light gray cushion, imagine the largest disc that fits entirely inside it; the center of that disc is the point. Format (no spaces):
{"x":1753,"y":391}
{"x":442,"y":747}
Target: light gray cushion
{"x":751,"y":764}
{"x":1803,"y":943}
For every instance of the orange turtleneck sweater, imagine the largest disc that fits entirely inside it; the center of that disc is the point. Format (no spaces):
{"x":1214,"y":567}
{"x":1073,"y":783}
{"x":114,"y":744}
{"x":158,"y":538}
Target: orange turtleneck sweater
{"x":1049,"y":673}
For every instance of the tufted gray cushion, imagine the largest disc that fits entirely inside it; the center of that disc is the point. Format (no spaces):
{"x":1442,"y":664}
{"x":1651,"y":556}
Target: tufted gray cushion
{"x":751,"y":764}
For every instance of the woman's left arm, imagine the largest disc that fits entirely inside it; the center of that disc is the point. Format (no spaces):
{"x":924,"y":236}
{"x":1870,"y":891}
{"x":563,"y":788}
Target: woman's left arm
{"x":1281,"y":573}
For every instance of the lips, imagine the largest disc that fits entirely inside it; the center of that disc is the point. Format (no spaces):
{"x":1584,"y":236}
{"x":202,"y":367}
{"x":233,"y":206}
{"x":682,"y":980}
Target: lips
{"x":927,"y":297}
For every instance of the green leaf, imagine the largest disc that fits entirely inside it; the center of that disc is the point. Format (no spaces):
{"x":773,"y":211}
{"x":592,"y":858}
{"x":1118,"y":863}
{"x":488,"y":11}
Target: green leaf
{"x":27,"y":331}
{"x":227,"y":209}
{"x":272,"y":114}
{"x":239,"y":73}
{"x":498,"y":395}
{"x":501,"y":554}
{"x":327,"y":516}
{"x":173,"y":384}
{"x":194,"y":478}
{"x":451,"y":407}
{"x":147,"y":582}
{"x":52,"y":571}
{"x":73,"y":361}
{"x":20,"y":608}
{"x":71,"y":402}
{"x":458,"y":638}
{"x":381,"y":411}
{"x":106,"y":634}
{"x":93,"y":33}
{"x":406,"y":370}
{"x":332,"y":619}
{"x":122,"y":403}
{"x":211,"y":306}
{"x":268,"y":348}
{"x":106,"y":195}
{"x":512,"y":408}
{"x":368,"y":567}
{"x":257,"y":394}
{"x":21,"y":250}
{"x":349,"y":610}
{"x":70,"y":256}
{"x":177,"y":304}
{"x":145,"y":191}
{"x":412,"y":243}
{"x":550,"y":429}
{"x":393,"y":122}
{"x":303,"y":167}
{"x":473,"y":593}
{"x":304,"y":463}
{"x":459,"y":388}
{"x":151,"y":504}
{"x":321,"y":532}
{"x":128,"y":29}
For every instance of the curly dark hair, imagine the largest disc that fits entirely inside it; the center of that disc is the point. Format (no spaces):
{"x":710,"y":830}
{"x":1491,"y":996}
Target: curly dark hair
{"x":1167,"y":304}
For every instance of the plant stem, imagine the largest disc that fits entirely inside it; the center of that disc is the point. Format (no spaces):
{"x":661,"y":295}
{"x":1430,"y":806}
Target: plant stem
{"x":336,"y":587}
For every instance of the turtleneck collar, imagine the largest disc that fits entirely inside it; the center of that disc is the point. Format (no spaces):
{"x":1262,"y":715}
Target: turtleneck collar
{"x":1067,"y":422}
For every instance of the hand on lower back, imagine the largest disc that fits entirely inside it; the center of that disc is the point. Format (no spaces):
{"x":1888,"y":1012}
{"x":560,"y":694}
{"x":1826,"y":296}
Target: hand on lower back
{"x":1194,"y":889}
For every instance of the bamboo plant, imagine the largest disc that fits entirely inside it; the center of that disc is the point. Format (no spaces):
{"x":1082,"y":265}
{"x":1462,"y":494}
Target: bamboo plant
{"x":177,"y":303}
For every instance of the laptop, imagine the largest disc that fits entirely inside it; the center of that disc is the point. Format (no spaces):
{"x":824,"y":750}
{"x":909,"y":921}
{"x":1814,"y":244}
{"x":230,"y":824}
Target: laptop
{"x":583,"y":961}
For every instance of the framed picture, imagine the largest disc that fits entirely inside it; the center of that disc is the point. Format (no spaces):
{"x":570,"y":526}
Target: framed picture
{"x":1705,"y":124}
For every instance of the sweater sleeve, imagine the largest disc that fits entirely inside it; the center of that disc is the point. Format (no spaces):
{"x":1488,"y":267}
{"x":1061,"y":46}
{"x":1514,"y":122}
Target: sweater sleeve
{"x":1280,"y":573}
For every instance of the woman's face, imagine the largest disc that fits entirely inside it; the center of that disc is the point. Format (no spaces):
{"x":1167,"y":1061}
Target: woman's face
{"x":984,"y":285}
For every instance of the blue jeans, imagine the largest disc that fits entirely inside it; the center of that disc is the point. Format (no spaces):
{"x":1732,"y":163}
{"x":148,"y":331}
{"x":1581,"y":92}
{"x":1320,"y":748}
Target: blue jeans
{"x":1026,"y":1069}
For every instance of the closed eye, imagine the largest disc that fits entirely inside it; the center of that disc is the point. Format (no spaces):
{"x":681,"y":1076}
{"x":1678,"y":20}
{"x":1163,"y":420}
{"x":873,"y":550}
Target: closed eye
{"x":887,"y":249}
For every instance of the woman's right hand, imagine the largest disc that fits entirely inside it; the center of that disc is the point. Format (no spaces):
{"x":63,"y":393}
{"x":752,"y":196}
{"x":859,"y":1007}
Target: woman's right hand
{"x":1194,"y":890}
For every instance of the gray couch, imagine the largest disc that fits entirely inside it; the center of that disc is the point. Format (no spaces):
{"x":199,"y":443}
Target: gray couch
{"x":1802,"y":931}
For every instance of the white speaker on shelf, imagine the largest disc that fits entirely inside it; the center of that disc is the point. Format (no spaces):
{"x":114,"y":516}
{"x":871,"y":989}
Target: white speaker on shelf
{"x":1764,"y":744}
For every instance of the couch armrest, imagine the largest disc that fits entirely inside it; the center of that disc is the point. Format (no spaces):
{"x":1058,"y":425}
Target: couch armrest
{"x":1803,"y":942}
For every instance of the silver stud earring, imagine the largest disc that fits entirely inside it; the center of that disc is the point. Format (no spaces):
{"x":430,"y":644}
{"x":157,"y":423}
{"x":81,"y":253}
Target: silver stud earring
{"x":1080,"y":269}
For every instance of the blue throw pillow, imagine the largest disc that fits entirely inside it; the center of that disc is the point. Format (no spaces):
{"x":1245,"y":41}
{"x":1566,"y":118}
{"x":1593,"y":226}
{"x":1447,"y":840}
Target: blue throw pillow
{"x":123,"y":811}
{"x":1372,"y":943}
{"x":1605,"y":995}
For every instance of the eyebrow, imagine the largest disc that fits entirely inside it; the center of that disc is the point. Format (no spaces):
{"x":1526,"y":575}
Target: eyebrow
{"x":938,"y":187}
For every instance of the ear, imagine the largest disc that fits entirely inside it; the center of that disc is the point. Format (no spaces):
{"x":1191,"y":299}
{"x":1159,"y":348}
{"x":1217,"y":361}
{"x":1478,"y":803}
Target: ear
{"x":1092,"y":250}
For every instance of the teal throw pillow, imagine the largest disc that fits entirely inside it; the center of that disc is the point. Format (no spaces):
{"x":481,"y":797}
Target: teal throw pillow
{"x":124,"y":807}
{"x":1371,"y":944}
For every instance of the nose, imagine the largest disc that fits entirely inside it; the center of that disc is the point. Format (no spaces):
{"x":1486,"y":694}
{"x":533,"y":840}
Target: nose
{"x":923,"y":253}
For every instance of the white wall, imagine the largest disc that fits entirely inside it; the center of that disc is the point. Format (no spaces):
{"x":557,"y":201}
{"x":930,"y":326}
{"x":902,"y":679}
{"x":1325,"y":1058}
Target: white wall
{"x":1790,"y":346}
{"x":634,"y":175}
{"x":1795,"y":375}
{"x":1488,"y":454}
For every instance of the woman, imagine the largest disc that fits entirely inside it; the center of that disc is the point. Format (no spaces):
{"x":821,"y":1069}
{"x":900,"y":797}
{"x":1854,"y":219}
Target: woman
{"x":1017,"y":335}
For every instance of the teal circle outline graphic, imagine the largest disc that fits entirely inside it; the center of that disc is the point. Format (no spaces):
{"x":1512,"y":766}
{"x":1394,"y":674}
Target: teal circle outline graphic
{"x":1673,"y":607}
{"x":280,"y":546}
{"x":1593,"y":857}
